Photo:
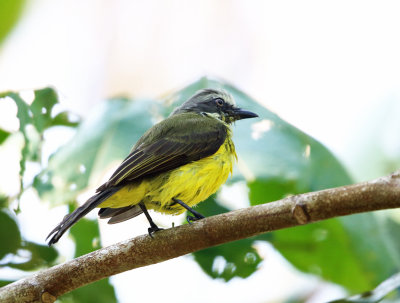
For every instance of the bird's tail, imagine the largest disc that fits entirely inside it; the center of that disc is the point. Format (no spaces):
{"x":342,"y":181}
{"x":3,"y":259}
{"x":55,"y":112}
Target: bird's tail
{"x":78,"y":213}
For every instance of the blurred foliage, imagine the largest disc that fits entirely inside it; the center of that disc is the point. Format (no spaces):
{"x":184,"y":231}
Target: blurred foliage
{"x":275,"y":160}
{"x":105,"y":136}
{"x":33,"y":119}
{"x":10,"y":10}
{"x":16,"y":252}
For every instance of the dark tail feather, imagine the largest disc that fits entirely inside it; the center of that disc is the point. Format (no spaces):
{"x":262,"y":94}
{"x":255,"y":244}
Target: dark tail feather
{"x":121,"y":214}
{"x":78,"y":213}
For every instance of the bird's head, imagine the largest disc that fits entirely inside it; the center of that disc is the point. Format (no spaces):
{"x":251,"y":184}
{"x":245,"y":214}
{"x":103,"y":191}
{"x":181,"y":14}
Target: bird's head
{"x":215,"y":103}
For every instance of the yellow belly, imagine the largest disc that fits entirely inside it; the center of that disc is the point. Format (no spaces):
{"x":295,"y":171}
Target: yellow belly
{"x":191,"y":183}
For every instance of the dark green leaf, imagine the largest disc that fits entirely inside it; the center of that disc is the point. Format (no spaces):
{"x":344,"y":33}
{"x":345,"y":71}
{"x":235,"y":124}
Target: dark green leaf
{"x":5,"y":282}
{"x":10,"y":237}
{"x":3,"y":135}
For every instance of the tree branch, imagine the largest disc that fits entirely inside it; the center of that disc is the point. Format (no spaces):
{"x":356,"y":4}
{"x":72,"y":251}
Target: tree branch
{"x":46,"y":285}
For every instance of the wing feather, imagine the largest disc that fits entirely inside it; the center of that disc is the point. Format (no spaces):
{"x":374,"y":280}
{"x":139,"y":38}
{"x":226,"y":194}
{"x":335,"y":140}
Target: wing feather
{"x":170,"y":147}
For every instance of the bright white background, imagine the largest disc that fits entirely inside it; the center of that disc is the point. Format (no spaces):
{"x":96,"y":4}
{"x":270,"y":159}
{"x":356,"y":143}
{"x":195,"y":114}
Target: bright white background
{"x":330,"y":68}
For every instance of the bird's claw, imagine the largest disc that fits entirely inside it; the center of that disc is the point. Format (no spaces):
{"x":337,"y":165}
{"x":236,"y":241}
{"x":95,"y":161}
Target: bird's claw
{"x":153,"y":229}
{"x":196,"y":217}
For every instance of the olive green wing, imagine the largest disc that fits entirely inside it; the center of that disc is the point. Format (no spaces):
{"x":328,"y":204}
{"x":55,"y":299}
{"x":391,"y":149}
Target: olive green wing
{"x":172,"y":143}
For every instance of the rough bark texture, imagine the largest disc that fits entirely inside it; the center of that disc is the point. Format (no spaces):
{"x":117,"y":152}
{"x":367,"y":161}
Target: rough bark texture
{"x":47,"y":285}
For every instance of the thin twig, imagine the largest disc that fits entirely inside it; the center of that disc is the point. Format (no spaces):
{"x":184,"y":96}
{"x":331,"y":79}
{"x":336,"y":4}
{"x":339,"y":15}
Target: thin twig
{"x":47,"y":285}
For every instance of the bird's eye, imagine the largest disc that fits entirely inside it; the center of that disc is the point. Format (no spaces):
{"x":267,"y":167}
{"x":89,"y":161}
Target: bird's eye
{"x":219,"y":102}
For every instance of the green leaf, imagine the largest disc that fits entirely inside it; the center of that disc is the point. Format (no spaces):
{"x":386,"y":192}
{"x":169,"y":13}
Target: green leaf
{"x":10,"y":237}
{"x":3,"y":200}
{"x":42,"y":106}
{"x":323,"y":249}
{"x":65,"y":119}
{"x":5,"y":282}
{"x":24,"y":113}
{"x":3,"y":135}
{"x":10,"y":11}
{"x":98,"y":292}
{"x":236,"y":259}
{"x":375,"y":244}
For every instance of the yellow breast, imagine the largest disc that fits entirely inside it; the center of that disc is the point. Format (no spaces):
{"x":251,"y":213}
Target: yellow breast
{"x":191,"y":183}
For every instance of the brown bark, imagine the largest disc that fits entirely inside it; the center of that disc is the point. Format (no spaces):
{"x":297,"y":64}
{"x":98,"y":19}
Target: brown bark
{"x":47,"y":285}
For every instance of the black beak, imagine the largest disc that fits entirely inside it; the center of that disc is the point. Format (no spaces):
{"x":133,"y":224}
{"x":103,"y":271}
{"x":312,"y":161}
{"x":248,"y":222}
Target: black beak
{"x":239,"y":114}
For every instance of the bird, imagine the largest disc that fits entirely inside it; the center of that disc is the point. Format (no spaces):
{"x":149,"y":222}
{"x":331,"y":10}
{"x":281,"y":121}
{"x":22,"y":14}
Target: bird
{"x":176,"y":164}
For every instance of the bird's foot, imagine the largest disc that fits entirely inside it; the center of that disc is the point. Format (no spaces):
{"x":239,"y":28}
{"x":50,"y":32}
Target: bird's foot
{"x":152,"y":229}
{"x":196,"y":216}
